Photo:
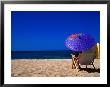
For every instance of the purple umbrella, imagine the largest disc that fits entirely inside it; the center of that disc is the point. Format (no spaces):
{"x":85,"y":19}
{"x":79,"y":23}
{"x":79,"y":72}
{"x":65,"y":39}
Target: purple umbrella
{"x":79,"y":42}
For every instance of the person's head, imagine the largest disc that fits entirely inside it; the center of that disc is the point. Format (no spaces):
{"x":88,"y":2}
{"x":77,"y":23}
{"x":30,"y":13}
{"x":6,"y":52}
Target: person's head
{"x":77,"y":53}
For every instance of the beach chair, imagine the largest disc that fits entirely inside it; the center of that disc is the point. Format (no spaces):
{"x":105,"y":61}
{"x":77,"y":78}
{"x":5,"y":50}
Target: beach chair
{"x":85,"y":58}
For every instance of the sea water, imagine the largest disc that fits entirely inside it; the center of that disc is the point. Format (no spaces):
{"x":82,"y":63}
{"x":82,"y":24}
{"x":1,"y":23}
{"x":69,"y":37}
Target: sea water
{"x":62,"y":54}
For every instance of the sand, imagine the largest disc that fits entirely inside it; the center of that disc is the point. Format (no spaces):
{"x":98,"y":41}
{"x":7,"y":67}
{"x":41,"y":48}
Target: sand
{"x":51,"y":68}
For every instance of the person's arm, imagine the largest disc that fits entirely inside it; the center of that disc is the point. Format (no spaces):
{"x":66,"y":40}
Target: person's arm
{"x":73,"y":56}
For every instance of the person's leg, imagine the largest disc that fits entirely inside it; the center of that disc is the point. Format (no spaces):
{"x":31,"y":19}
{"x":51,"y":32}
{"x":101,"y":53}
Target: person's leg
{"x":77,"y":64}
{"x":72,"y":63}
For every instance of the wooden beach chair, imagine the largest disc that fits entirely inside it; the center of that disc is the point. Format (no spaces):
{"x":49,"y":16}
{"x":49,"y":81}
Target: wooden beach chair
{"x":85,"y":58}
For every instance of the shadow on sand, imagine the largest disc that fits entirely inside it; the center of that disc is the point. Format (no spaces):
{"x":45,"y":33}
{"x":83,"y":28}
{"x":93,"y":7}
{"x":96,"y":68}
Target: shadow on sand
{"x":90,"y":70}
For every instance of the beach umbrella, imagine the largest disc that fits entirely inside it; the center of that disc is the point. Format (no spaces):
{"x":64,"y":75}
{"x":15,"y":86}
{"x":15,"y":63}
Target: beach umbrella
{"x":79,"y":42}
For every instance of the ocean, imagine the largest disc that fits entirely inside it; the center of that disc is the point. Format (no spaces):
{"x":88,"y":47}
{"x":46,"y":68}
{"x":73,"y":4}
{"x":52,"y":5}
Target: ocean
{"x":64,"y":54}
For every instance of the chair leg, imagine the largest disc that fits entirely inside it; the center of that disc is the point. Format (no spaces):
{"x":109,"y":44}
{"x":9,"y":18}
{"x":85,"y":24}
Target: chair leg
{"x":79,"y":67}
{"x":73,"y":65}
{"x":86,"y":66}
{"x":93,"y":66}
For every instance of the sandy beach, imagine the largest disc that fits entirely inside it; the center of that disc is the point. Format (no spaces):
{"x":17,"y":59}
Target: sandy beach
{"x":51,"y":68}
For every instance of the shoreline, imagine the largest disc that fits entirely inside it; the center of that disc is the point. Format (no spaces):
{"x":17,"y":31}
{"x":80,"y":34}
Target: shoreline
{"x":48,"y":59}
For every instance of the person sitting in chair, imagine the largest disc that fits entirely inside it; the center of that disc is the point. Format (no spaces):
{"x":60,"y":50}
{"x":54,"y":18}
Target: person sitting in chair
{"x":75,"y":61}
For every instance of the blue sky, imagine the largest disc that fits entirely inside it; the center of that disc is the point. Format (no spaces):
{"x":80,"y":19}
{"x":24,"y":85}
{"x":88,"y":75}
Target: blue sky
{"x":47,"y":30}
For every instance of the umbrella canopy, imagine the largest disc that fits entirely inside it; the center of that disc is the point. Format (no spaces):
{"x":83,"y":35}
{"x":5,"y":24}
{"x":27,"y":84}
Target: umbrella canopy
{"x":79,"y":42}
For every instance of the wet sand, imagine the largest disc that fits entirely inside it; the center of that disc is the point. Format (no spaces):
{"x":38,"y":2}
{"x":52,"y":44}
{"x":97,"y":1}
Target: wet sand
{"x":51,"y":68}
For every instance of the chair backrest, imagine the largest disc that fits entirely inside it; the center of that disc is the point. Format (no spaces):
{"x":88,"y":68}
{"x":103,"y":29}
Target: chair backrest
{"x":87,"y":57}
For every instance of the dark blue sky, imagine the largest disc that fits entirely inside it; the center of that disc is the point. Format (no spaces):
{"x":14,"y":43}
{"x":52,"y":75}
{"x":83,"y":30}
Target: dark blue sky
{"x":38,"y":30}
